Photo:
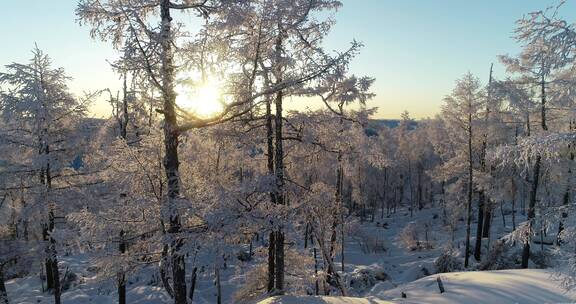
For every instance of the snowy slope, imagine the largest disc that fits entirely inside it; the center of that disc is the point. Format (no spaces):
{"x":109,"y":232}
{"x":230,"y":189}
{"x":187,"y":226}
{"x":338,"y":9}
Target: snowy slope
{"x":506,"y":286}
{"x":87,"y":289}
{"x":320,"y":300}
{"x":405,"y":272}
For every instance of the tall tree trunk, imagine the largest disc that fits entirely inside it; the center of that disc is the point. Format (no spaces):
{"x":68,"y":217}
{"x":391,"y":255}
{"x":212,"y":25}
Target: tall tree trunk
{"x":481,"y":206}
{"x":270,"y":158}
{"x":419,"y":194}
{"x":514,"y":190}
{"x":124,"y":122}
{"x":171,"y":162}
{"x":566,"y":198}
{"x":487,"y":219}
{"x":531,"y":212}
{"x":384,"y":200}
{"x":121,"y":274}
{"x":535,"y":180}
{"x":52,"y":255}
{"x":332,"y":275}
{"x":218,"y":285}
{"x":543,"y":104}
{"x":400,"y":192}
{"x":470,"y":189}
{"x":193,"y":284}
{"x":53,"y":260}
{"x":339,"y":194}
{"x":340,"y":208}
{"x":306,"y":236}
{"x":279,"y":163}
{"x":3,"y":292}
{"x":279,"y":262}
{"x":411,"y":188}
{"x":151,"y":112}
{"x":47,"y":264}
{"x":444,"y":211}
{"x":342,"y":241}
{"x":45,"y":226}
{"x":271,"y":261}
{"x":316,"y":287}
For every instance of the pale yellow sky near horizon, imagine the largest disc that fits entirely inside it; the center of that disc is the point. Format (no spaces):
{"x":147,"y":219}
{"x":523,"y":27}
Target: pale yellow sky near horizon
{"x":414,"y":49}
{"x":101,"y":108}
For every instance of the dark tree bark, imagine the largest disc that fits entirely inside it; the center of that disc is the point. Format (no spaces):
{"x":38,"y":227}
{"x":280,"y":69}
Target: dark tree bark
{"x":171,"y":162}
{"x":218,"y":285}
{"x":400,"y":192}
{"x":53,"y":260}
{"x":487,"y":220}
{"x":543,"y":104}
{"x":164,"y":271}
{"x":420,"y":170}
{"x":47,"y":265}
{"x":535,"y":181}
{"x":316,"y":287}
{"x":3,"y":292}
{"x":279,"y":164}
{"x":514,"y":190}
{"x":46,"y":229}
{"x":514,"y":187}
{"x":270,"y":158}
{"x":306,"y":236}
{"x":470,"y":189}
{"x":411,"y":188}
{"x":193,"y":284}
{"x":531,"y":211}
{"x":52,"y":275}
{"x":340,"y":202}
{"x":279,"y":261}
{"x":124,"y":122}
{"x":332,"y":275}
{"x":481,"y":206}
{"x":565,"y":199}
{"x":121,"y":274}
{"x":271,"y":261}
{"x":384,"y":188}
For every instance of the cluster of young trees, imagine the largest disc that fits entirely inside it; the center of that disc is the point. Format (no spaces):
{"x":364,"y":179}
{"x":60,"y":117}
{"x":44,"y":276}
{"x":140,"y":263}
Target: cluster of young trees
{"x":512,"y":140}
{"x":158,"y":184}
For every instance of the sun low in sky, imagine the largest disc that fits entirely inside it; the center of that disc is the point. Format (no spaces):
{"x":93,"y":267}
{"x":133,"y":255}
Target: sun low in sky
{"x":413,"y":48}
{"x":203,"y":98}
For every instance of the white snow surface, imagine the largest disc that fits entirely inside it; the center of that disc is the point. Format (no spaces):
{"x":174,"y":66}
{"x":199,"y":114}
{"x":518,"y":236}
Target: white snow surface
{"x":320,"y":300}
{"x":406,"y":271}
{"x":524,"y":286}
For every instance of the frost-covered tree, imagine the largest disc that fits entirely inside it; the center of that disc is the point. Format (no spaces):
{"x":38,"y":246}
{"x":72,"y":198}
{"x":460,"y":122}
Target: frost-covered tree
{"x":461,"y":112}
{"x":114,"y":20}
{"x":537,"y":63}
{"x":42,"y":121}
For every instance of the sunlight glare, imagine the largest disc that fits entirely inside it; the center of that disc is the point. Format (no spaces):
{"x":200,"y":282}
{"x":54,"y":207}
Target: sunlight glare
{"x":205,"y":100}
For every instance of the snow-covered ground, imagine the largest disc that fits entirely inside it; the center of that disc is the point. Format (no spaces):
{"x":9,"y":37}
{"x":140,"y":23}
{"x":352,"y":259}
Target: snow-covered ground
{"x":85,"y":289}
{"x":320,"y":300}
{"x":503,"y":286}
{"x":405,"y":272}
{"x":524,"y":286}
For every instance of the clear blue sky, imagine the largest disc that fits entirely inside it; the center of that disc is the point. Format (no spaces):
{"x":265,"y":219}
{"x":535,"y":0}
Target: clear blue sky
{"x":414,"y":49}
